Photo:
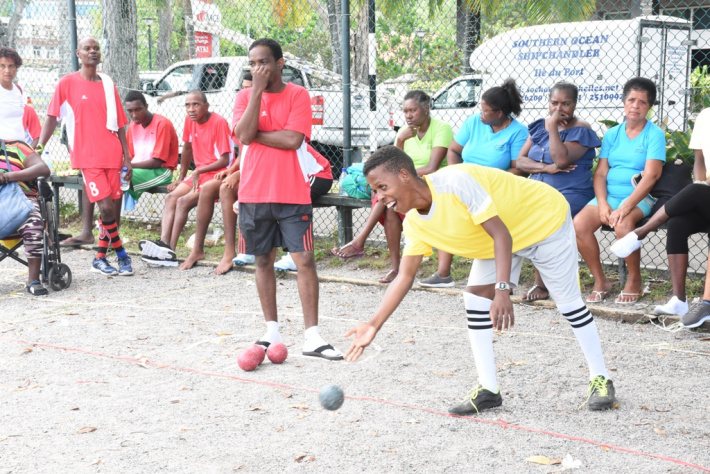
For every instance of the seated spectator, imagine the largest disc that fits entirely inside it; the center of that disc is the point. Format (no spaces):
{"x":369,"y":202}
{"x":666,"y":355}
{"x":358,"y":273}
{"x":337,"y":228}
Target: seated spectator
{"x":153,"y":145}
{"x":560,"y":151}
{"x":206,"y":138}
{"x":687,"y":213}
{"x":425,"y":139}
{"x":635,"y":146}
{"x":25,"y":167}
{"x":491,"y":138}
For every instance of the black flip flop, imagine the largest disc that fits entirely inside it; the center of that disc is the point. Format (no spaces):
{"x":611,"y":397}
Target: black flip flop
{"x":319,"y":353}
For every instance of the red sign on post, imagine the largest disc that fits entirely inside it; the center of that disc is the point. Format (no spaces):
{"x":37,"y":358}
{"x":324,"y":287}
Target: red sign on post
{"x":203,"y":44}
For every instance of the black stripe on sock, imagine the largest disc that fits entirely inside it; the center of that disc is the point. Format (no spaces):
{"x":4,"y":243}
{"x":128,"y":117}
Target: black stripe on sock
{"x":473,"y":311}
{"x":577,"y":326}
{"x":582,"y":308}
{"x":488,"y":326}
{"x":578,"y":318}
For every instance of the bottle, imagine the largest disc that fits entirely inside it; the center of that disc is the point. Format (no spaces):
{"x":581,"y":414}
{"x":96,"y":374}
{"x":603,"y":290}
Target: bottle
{"x":124,"y":184}
{"x":341,"y":189}
{"x":47,"y":160}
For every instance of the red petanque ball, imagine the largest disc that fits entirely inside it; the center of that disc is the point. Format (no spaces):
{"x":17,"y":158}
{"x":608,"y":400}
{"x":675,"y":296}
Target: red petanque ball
{"x":248,"y":360}
{"x":258,"y":350}
{"x":277,"y":352}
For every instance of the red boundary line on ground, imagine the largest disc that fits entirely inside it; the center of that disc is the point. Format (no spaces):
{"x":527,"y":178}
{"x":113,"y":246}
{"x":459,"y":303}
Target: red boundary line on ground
{"x":499,"y":422}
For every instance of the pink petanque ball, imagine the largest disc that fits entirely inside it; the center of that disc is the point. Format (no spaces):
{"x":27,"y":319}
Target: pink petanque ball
{"x":258,"y":350}
{"x":248,"y":360}
{"x":277,"y":352}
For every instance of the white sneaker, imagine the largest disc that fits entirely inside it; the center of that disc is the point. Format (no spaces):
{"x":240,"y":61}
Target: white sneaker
{"x":674,"y":306}
{"x":626,"y":245}
{"x":243,"y":259}
{"x":286,"y":264}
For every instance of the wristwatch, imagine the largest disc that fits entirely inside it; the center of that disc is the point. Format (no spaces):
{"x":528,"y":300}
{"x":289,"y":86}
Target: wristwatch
{"x":503,"y":286}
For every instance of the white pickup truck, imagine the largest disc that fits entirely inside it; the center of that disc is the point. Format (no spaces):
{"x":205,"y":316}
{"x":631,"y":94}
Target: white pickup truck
{"x":221,"y":78}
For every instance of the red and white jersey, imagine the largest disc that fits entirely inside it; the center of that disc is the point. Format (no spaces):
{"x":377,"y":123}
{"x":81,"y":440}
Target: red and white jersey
{"x":82,"y":104}
{"x":327,"y":172}
{"x":209,"y":140}
{"x":30,"y":122}
{"x":11,"y":112}
{"x":271,"y":174}
{"x":158,"y":140}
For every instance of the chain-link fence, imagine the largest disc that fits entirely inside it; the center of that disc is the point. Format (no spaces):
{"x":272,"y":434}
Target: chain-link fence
{"x":453,"y":49}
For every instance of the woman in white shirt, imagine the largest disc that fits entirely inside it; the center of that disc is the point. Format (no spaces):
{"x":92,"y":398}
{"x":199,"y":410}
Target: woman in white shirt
{"x":12,"y":111}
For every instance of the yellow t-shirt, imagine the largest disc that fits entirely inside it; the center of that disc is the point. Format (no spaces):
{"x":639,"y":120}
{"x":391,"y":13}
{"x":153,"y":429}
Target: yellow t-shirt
{"x":466,"y":195}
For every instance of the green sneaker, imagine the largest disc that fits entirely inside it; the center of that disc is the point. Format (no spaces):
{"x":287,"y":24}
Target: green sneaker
{"x":477,"y":400}
{"x":600,"y":395}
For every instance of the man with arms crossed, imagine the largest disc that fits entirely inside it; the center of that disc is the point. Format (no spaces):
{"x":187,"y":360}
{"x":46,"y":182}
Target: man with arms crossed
{"x":97,"y":140}
{"x":498,"y":219}
{"x":274,"y":119}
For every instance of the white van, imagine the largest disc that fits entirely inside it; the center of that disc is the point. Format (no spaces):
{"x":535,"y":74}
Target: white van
{"x":597,"y":56}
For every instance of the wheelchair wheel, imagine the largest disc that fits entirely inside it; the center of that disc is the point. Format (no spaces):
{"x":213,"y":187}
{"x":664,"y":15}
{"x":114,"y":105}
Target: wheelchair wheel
{"x":59,"y":277}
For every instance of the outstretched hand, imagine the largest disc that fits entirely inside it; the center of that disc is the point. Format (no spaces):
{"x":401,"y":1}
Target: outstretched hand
{"x":364,"y":334}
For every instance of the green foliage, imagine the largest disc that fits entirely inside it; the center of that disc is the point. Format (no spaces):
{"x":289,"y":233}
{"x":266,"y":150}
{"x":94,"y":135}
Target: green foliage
{"x":700,"y":89}
{"x":677,"y":146}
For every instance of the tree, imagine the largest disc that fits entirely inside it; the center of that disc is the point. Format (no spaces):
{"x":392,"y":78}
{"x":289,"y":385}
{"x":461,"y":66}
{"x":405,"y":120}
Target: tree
{"x":163,"y":56}
{"x":189,"y":28}
{"x":120,"y":55}
{"x":14,"y":23}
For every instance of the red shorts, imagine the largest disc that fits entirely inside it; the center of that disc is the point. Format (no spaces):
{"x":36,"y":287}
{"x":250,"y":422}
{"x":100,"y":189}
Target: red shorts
{"x":204,"y":177}
{"x":373,"y":200}
{"x":102,"y":183}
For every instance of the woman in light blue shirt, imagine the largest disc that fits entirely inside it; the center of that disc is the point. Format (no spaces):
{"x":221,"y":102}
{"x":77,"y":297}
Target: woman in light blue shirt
{"x":635,"y":146}
{"x":492,"y":138}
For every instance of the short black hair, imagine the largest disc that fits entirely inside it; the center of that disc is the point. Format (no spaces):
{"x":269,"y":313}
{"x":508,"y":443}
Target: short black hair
{"x":135,"y":95}
{"x":420,"y":97}
{"x":272,"y":44}
{"x":247,"y":76}
{"x":571,"y":90}
{"x":10,"y":53}
{"x":200,"y":93}
{"x":393,"y":159}
{"x":641,"y":84}
{"x":505,"y":97}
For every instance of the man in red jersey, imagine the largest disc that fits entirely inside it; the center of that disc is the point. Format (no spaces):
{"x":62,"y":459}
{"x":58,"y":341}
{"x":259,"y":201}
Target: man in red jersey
{"x":274,"y":120}
{"x":90,"y":105}
{"x":206,"y":138}
{"x":152,"y":143}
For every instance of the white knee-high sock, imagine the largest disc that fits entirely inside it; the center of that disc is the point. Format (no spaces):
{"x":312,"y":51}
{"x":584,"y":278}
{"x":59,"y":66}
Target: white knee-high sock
{"x":585,"y":330}
{"x":480,"y":333}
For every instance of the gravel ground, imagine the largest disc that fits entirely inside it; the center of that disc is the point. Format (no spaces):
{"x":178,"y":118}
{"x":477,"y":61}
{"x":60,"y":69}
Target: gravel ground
{"x":139,"y":374}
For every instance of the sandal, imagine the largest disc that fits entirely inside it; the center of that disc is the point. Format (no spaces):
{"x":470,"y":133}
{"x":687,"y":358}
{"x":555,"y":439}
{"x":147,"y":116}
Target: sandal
{"x":597,"y":296}
{"x":338,"y":252}
{"x":624,"y":294}
{"x":35,"y":288}
{"x":389,"y":278}
{"x":529,"y":295}
{"x":75,"y":242}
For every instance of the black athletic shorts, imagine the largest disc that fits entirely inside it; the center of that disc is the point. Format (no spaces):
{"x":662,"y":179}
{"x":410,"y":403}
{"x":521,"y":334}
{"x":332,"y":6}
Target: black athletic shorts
{"x":263,"y":226}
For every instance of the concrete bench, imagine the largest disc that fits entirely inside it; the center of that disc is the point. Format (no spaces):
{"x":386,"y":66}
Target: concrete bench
{"x":343,"y":204}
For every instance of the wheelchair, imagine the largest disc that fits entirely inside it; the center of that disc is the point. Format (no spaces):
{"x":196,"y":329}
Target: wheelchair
{"x":53,"y":272}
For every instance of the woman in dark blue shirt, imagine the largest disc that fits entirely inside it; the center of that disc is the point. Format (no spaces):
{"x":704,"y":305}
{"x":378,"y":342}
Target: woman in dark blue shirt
{"x":560,"y":151}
